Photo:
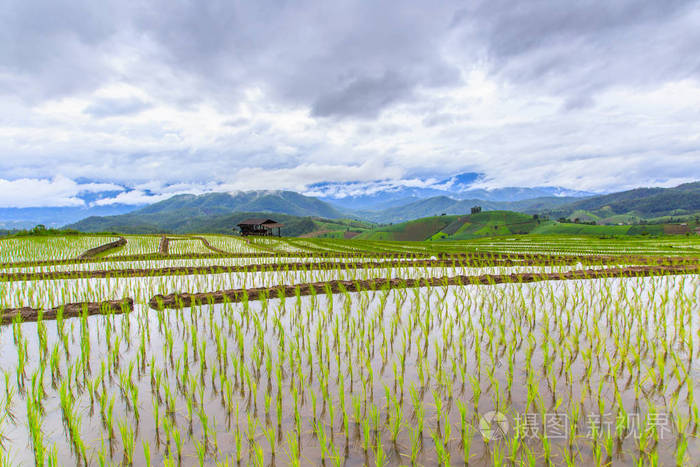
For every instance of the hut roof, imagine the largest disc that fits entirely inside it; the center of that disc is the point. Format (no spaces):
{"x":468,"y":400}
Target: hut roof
{"x":258,"y":221}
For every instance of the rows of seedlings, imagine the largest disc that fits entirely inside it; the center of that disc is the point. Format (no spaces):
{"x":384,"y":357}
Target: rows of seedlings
{"x":49,"y":292}
{"x":344,"y":352}
{"x":563,"y":373}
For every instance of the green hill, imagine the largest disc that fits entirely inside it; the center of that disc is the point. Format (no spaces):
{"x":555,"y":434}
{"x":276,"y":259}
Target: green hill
{"x":215,"y":212}
{"x":627,"y":207}
{"x":284,"y":202}
{"x":224,"y":223}
{"x":634,"y":205}
{"x":419,"y":229}
{"x":478,"y":225}
{"x":443,"y":204}
{"x":503,"y":223}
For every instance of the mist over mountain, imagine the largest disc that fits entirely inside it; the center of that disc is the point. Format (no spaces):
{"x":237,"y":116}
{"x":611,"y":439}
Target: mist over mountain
{"x":346,"y":198}
{"x":380,"y":195}
{"x":284,"y":202}
{"x":634,"y":205}
{"x":219,"y":211}
{"x":379,"y":201}
{"x":22,"y":218}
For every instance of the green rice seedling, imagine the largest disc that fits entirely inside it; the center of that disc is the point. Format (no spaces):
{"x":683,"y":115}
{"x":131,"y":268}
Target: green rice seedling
{"x":177,"y":439}
{"x":238,"y":445}
{"x":379,"y":456}
{"x":201,"y":450}
{"x":128,"y":438}
{"x":396,"y":420}
{"x":252,"y":429}
{"x":37,"y":438}
{"x":293,"y":453}
{"x":147,"y":453}
{"x":156,"y":415}
{"x":367,"y":441}
{"x":272,"y":439}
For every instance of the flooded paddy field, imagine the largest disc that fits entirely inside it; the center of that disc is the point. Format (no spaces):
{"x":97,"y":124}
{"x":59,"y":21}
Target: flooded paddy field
{"x":558,"y":372}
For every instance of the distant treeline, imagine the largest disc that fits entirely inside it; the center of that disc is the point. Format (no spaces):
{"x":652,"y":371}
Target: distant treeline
{"x":42,"y":231}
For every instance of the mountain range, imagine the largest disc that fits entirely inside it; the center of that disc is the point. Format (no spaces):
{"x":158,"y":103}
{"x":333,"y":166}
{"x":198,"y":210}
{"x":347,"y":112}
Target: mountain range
{"x":219,"y":212}
{"x":210,"y":212}
{"x":355,"y":199}
{"x":379,"y":195}
{"x":381,"y":202}
{"x":633,"y":205}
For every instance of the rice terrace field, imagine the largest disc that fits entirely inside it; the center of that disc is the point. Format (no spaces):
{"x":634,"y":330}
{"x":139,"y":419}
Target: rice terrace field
{"x":214,"y":350}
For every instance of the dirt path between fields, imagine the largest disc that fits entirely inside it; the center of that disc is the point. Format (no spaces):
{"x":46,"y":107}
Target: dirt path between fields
{"x":540,"y":259}
{"x":236,"y":295}
{"x":69,"y":310}
{"x":206,"y":243}
{"x":92,"y":252}
{"x":163,"y":245}
{"x":272,"y":267}
{"x":268,"y":267}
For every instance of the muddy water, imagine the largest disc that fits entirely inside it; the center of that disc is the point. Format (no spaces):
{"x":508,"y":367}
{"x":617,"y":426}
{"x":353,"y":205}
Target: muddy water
{"x":194,"y":262}
{"x":51,"y":293}
{"x":371,"y":328}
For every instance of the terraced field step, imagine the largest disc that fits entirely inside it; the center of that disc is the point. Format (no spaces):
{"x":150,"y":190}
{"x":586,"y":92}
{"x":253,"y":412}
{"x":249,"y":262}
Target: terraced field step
{"x":308,"y":266}
{"x":69,"y":310}
{"x":92,"y":252}
{"x":551,"y":259}
{"x":221,"y":269}
{"x":157,"y":256}
{"x":183,"y":300}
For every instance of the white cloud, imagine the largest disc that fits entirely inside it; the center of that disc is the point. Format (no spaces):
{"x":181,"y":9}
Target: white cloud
{"x":186,"y":97}
{"x":59,"y":191}
{"x":132,"y":198}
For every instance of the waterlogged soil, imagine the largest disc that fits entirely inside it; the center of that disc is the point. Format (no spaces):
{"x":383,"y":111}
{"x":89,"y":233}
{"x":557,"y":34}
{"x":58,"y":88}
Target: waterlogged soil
{"x":260,"y":255}
{"x":216,"y":268}
{"x":157,"y":263}
{"x":92,"y":252}
{"x":222,"y":296}
{"x":68,"y":310}
{"x":39,"y":273}
{"x":54,"y":292}
{"x":357,"y":375}
{"x":530,"y":258}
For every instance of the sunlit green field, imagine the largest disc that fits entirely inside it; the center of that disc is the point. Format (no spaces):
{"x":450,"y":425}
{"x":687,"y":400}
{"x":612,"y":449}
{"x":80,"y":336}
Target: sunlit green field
{"x":380,"y":370}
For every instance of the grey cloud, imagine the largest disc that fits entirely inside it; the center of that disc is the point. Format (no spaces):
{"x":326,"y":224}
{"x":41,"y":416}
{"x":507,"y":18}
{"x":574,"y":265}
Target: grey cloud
{"x":237,"y":122}
{"x":342,"y":58}
{"x":577,"y":49}
{"x":439,"y":119}
{"x":53,"y":48}
{"x":514,"y":29}
{"x":362,"y":97}
{"x":303,"y":53}
{"x":346,"y":59}
{"x":308,"y":53}
{"x":581,"y":101}
{"x":116,"y":107}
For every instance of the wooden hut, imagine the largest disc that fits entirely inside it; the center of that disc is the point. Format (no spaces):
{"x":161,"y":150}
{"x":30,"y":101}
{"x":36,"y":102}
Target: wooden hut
{"x":260,"y":227}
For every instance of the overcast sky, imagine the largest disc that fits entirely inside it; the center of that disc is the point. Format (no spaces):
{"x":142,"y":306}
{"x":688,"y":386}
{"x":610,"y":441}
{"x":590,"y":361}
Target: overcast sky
{"x":172,"y":96}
